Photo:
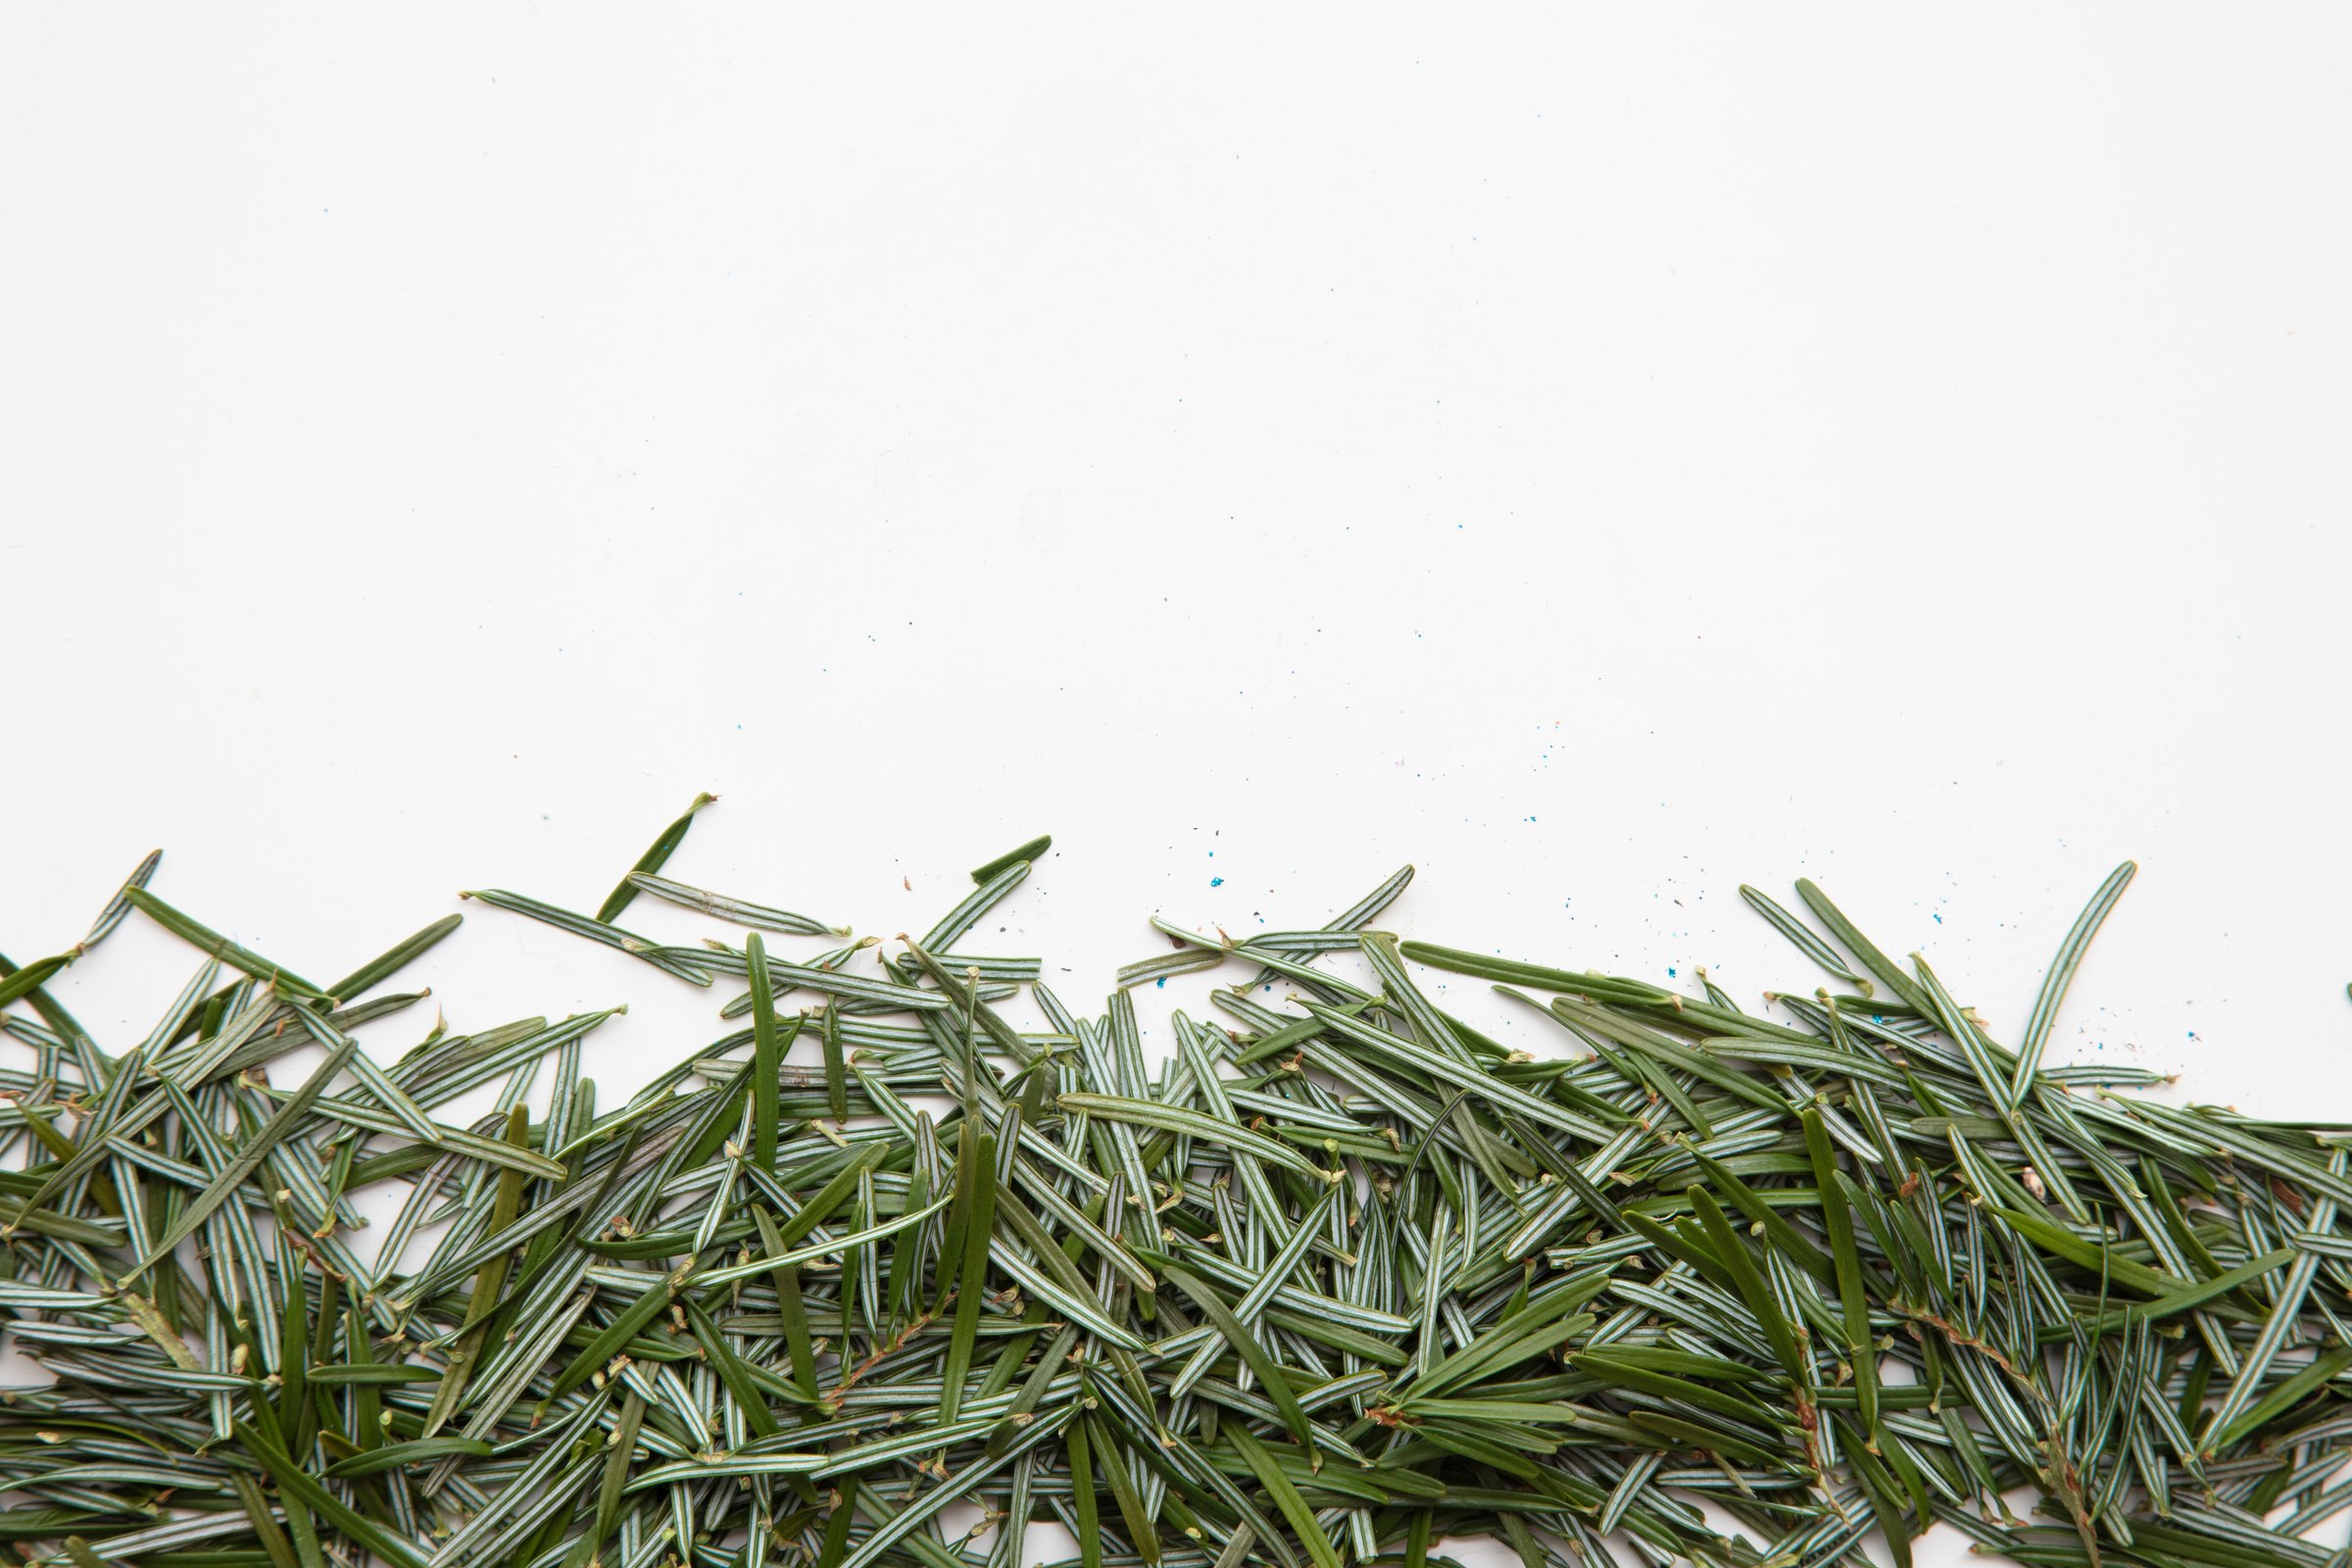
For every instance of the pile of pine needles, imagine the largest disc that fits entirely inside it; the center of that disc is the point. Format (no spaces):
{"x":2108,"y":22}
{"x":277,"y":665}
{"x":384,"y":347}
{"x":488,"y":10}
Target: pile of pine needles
{"x":879,"y":1277}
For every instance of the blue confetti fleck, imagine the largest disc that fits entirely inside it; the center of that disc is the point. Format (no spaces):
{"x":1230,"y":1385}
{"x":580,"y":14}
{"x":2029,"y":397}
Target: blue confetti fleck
{"x":1670,"y":972}
{"x":1216,"y":881}
{"x":1162,"y":981}
{"x":1939,"y":919}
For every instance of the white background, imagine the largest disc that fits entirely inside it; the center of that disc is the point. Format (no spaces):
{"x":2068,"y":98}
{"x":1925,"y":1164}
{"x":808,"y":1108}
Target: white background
{"x":1602,"y":459}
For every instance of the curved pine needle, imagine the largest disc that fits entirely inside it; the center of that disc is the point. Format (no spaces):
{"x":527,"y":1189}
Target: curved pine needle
{"x":24,"y":982}
{"x":599,"y":931}
{"x":738,"y":911}
{"x":119,"y":905}
{"x":1034,"y":849}
{"x":211,"y":941}
{"x":1888,"y":972}
{"x":368,"y":976}
{"x":655,"y":857}
{"x":1162,"y":967}
{"x":2052,"y":993}
{"x":1800,"y":938}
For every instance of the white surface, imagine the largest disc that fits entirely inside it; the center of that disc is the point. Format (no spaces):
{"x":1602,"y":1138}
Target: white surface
{"x":1601,"y":461}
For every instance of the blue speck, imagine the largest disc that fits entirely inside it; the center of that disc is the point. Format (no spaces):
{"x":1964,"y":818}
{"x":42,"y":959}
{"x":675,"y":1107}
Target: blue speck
{"x":1939,"y":919}
{"x":1216,"y":881}
{"x":1670,"y":972}
{"x":1162,"y":981}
